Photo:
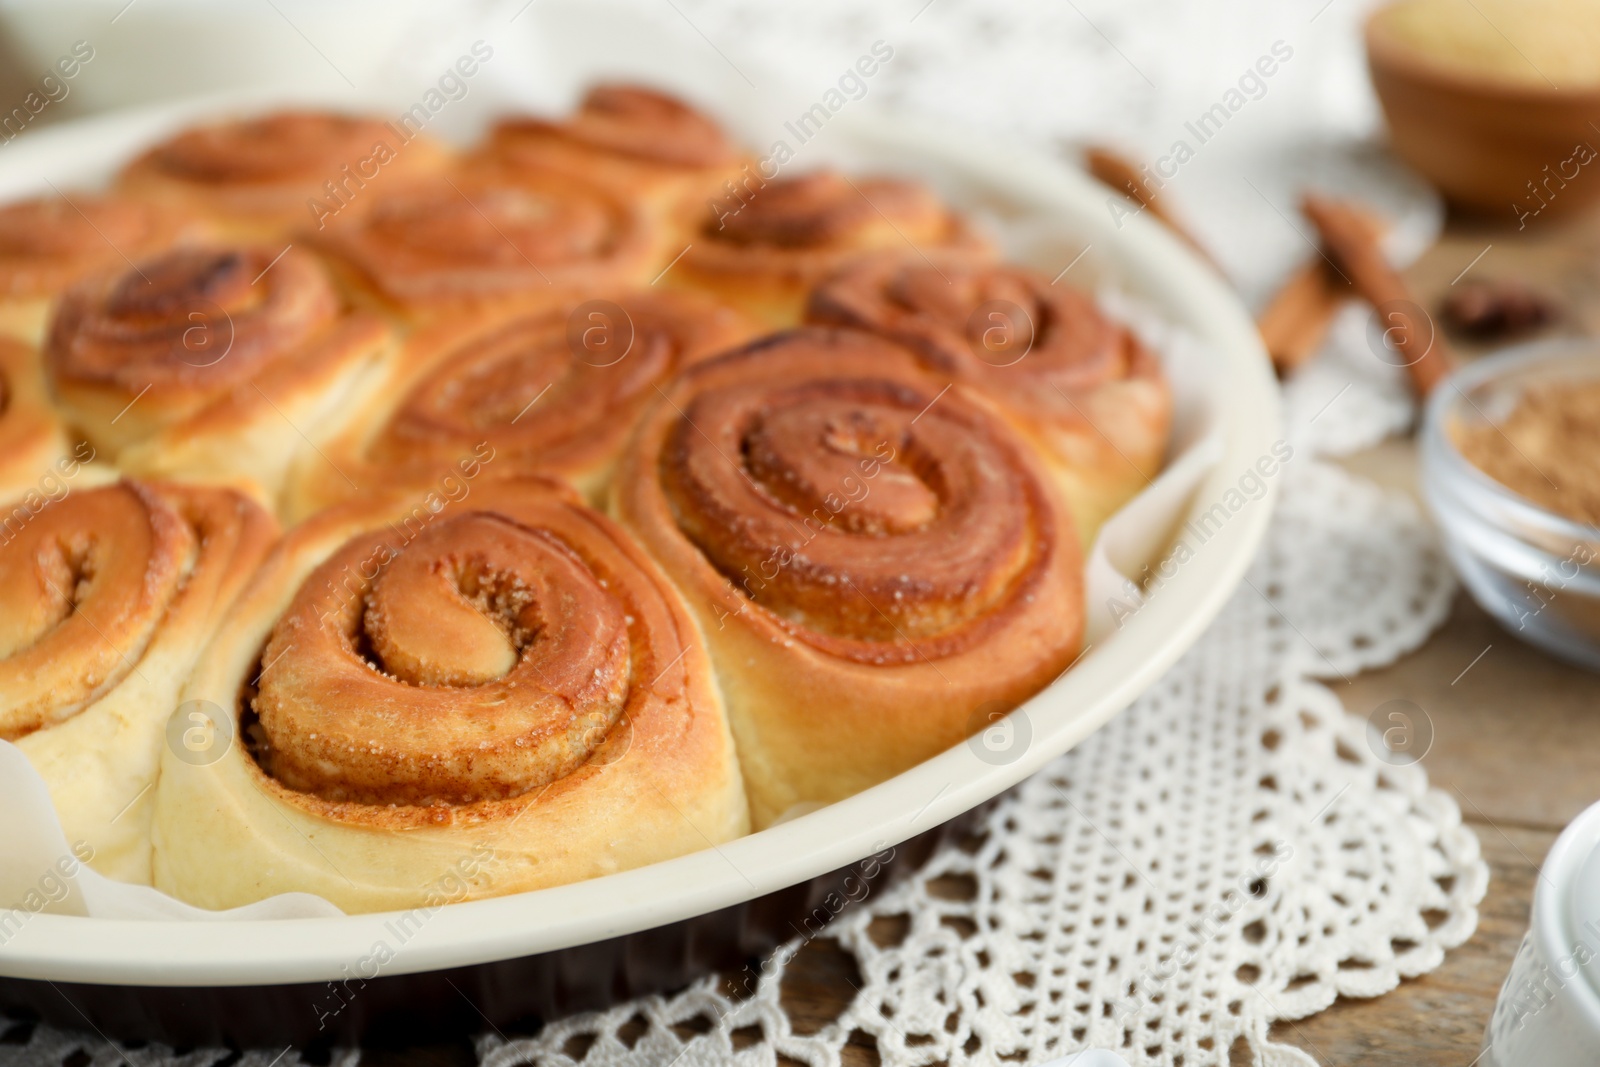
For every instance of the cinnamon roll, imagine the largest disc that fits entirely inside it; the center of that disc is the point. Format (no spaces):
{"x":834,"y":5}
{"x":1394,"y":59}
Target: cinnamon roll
{"x":34,"y":455}
{"x":637,"y":140}
{"x":876,"y":561}
{"x":413,"y":682}
{"x":49,"y":242}
{"x":1073,"y":379}
{"x":260,"y":177}
{"x":209,"y":363}
{"x":462,"y":244}
{"x":766,"y":244}
{"x":109,"y":594}
{"x":549,"y":392}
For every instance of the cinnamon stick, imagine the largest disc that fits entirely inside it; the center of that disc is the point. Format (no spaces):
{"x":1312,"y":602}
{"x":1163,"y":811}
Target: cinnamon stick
{"x":1296,"y":320}
{"x":1355,"y":253}
{"x":1294,"y":323}
{"x":1119,"y":172}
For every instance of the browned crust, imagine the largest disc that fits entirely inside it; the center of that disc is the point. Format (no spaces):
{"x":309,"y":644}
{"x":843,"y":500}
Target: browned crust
{"x":562,"y":418}
{"x":768,"y":244}
{"x":202,"y":543}
{"x":669,"y":658}
{"x":814,"y":726}
{"x":497,"y":238}
{"x":218,"y":168}
{"x":51,"y":242}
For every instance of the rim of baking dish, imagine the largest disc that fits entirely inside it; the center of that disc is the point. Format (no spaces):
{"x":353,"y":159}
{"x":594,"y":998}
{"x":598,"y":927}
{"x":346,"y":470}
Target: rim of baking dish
{"x":1145,"y":258}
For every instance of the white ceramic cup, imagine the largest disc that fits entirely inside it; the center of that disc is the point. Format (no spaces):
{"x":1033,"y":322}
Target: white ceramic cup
{"x":1548,"y":1013}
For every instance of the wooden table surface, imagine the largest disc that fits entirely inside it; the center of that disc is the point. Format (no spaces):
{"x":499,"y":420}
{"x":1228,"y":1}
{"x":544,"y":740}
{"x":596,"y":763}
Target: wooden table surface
{"x":1516,"y":738}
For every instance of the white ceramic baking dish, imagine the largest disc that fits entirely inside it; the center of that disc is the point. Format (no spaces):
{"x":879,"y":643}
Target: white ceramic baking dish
{"x":1054,"y":214}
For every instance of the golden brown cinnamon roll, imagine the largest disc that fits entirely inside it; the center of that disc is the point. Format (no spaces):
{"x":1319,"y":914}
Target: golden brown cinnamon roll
{"x":462,"y":245}
{"x":34,"y":455}
{"x":260,"y":177}
{"x":766,"y":245}
{"x":109,"y":594}
{"x":640,"y":141}
{"x":49,"y":242}
{"x":505,"y":677}
{"x":877,"y":562}
{"x":210,"y":363}
{"x":1076,"y":381}
{"x":551,"y":392}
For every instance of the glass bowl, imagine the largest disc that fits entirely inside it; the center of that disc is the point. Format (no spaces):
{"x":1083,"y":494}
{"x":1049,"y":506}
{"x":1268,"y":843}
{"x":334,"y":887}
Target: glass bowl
{"x":1536,"y":572}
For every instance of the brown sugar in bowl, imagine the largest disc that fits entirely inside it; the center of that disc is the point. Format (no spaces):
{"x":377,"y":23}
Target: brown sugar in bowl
{"x":1519,"y":148}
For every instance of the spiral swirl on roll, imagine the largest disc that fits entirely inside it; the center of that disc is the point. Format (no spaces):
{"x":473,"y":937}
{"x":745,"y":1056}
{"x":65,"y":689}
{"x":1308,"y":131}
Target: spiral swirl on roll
{"x":1003,"y":328}
{"x":109,"y":593}
{"x":48,"y":243}
{"x":205,"y":318}
{"x":873,"y":555}
{"x":97,"y":571}
{"x":770,"y":241}
{"x":33,"y":444}
{"x":508,"y":666}
{"x":828,"y":210}
{"x":1000,"y":325}
{"x":627,"y":121}
{"x":1071,"y":376}
{"x":209,"y":364}
{"x":451,"y":242}
{"x":552,"y":392}
{"x":834,"y":467}
{"x":464,"y":656}
{"x":257,"y":174}
{"x":490,"y":644}
{"x":282,"y":146}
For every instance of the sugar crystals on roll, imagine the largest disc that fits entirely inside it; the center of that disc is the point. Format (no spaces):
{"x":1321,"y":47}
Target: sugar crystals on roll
{"x":875,"y":559}
{"x":214,"y":363}
{"x":263,"y":175}
{"x":639,"y":140}
{"x":49,"y":242}
{"x":466,"y":243}
{"x":506,"y":675}
{"x":553,"y":392}
{"x":1076,"y":381}
{"x":765,"y":244}
{"x":108,"y":595}
{"x":34,"y":452}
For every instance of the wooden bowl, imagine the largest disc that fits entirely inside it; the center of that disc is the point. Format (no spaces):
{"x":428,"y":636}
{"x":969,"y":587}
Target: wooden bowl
{"x":1490,"y":146}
